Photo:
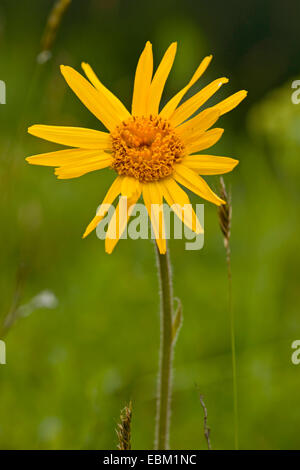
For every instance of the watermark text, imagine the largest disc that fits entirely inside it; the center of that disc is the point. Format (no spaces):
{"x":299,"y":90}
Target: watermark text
{"x":2,"y":352}
{"x":295,"y":358}
{"x":177,"y":222}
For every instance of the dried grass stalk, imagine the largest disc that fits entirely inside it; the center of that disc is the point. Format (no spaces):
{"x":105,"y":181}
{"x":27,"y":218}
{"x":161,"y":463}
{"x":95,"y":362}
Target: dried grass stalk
{"x":124,"y":428}
{"x":53,"y":22}
{"x":206,"y":427}
{"x":225,"y":213}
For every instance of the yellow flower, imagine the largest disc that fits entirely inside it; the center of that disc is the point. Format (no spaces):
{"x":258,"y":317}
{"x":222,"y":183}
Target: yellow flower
{"x":150,"y":150}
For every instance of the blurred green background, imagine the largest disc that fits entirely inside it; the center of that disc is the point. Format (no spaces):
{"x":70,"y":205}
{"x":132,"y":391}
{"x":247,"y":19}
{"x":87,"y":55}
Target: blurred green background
{"x":72,"y":367}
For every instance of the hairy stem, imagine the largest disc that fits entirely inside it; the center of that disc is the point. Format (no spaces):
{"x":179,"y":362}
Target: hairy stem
{"x":166,"y":353}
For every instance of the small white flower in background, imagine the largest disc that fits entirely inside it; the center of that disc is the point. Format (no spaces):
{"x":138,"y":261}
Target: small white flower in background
{"x":49,"y":428}
{"x":43,"y":57}
{"x":45,"y":299}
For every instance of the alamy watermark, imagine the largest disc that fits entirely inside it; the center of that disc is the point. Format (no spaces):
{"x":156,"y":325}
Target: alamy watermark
{"x":2,"y":352}
{"x":178,"y":222}
{"x":2,"y":92}
{"x":295,"y":358}
{"x":295,"y":97}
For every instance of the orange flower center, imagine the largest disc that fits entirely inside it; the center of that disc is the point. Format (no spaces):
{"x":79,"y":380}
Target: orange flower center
{"x":146,"y":148}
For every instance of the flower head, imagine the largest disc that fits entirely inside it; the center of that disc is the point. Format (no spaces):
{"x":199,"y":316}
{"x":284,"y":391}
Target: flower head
{"x":152,"y":151}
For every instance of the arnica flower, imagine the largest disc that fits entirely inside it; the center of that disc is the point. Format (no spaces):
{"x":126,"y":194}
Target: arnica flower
{"x":153,"y":152}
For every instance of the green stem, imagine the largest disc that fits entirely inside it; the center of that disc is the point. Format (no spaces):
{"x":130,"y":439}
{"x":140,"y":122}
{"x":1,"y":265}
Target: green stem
{"x":233,"y":352}
{"x":166,"y":353}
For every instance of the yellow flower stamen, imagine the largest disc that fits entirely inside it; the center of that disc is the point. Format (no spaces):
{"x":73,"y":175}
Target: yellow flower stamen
{"x":146,"y":148}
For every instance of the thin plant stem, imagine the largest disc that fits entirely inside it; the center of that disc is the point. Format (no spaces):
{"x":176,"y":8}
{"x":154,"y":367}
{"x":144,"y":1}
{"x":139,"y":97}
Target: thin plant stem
{"x":206,"y":427}
{"x":233,"y":349}
{"x":166,"y":352}
{"x":225,"y":215}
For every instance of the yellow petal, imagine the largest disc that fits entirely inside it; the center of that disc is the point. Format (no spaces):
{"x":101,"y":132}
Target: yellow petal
{"x":190,"y":106}
{"x":119,"y":220}
{"x":73,"y":136}
{"x":142,"y":82}
{"x":205,"y":140}
{"x":111,"y":195}
{"x":76,"y":170}
{"x":210,"y":164}
{"x":170,"y":107}
{"x":67,"y":157}
{"x":231,"y":102}
{"x":130,"y":187}
{"x":196,"y":184}
{"x":198,"y":124}
{"x":160,"y":78}
{"x":153,"y":200}
{"x":179,"y":202}
{"x":99,"y":103}
{"x":118,"y":106}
